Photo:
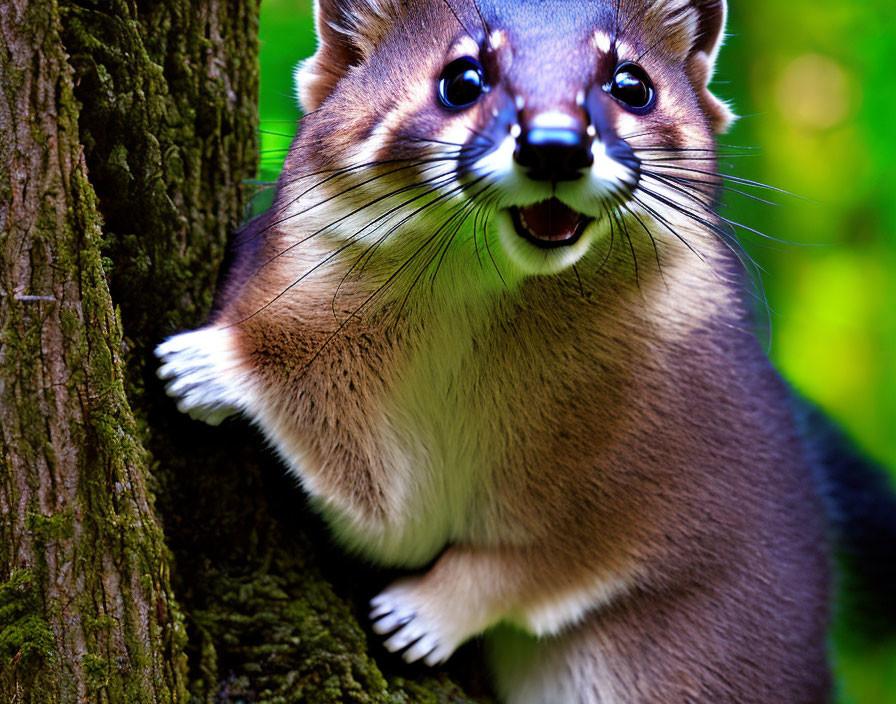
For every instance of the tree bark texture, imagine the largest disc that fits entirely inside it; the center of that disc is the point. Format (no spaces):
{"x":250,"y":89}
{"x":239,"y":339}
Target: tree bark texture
{"x":127,"y":137}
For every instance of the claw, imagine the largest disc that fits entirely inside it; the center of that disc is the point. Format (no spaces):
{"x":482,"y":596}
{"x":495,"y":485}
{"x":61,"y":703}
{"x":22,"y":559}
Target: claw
{"x":403,"y":638}
{"x":421,"y":649}
{"x":436,"y":658}
{"x":380,"y":609}
{"x":413,"y":626}
{"x":390,"y":622}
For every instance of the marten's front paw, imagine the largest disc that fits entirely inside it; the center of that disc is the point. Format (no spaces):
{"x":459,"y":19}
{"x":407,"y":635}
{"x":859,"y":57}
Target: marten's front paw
{"x":419,"y":624}
{"x":201,"y":370}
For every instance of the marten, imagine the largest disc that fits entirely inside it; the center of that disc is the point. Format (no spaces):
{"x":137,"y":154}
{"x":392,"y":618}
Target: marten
{"x":494,"y":323}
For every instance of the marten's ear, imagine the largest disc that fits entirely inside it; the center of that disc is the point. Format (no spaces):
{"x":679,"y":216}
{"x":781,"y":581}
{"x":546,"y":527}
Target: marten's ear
{"x":347,"y":31}
{"x":702,"y":61}
{"x":693,"y":31}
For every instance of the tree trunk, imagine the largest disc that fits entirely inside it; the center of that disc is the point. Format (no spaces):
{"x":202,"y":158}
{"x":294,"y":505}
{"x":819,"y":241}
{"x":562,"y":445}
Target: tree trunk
{"x":127,"y":136}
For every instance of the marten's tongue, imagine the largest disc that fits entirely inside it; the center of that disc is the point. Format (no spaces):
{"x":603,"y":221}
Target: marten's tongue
{"x":549,"y":223}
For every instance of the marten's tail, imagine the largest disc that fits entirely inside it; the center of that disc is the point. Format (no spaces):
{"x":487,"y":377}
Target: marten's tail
{"x":860,"y":502}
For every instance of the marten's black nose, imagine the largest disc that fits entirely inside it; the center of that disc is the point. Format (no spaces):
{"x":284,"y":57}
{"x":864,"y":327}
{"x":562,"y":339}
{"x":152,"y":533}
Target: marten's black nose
{"x":554,"y":147}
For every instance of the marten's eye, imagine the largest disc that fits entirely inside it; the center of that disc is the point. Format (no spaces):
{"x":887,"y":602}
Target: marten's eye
{"x":461,"y":83}
{"x":632,"y":87}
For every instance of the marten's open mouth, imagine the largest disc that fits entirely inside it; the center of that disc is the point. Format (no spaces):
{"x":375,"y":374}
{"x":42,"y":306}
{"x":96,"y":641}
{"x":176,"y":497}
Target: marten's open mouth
{"x":549,"y":224}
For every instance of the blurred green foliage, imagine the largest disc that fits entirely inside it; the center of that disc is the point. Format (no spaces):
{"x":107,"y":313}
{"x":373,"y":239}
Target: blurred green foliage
{"x":814,"y":82}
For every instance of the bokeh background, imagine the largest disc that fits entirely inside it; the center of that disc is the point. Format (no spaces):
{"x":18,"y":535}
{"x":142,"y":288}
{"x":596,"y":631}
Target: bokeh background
{"x":815,"y":84}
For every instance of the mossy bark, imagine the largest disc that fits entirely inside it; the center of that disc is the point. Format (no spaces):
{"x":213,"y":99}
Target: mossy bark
{"x":127,"y":135}
{"x":88,"y":611}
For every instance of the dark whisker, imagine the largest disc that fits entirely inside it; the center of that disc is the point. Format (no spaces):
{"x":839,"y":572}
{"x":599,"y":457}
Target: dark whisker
{"x":452,"y":191}
{"x":687,"y":181}
{"x":631,"y":247}
{"x":575,"y":270}
{"x":692,"y":194}
{"x":371,"y":297}
{"x":391,"y":194}
{"x":463,"y":219}
{"x":710,"y":211}
{"x":336,"y":174}
{"x":714,"y":157}
{"x":650,"y":48}
{"x":275,"y":134}
{"x":481,"y":135}
{"x":610,"y":247}
{"x":665,"y":223}
{"x":348,"y":244}
{"x":476,"y":217}
{"x":448,"y":239}
{"x":733,"y":179}
{"x":460,"y":22}
{"x":433,"y":163}
{"x":728,"y":239}
{"x":656,"y":251}
{"x":413,"y":139}
{"x":488,"y":250}
{"x":485,"y":27}
{"x":369,"y":252}
{"x":687,"y":150}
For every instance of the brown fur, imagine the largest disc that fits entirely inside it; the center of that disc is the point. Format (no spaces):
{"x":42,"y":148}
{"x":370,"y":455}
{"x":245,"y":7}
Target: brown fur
{"x":626,"y":440}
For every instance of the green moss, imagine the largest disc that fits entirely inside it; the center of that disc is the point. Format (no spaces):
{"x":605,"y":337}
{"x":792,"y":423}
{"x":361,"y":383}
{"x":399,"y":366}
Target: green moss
{"x":97,"y":670}
{"x":45,"y":529}
{"x":26,"y":640}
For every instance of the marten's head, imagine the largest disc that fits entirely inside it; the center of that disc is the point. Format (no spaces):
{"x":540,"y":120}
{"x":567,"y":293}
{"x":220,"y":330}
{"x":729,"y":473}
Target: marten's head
{"x":523,"y":131}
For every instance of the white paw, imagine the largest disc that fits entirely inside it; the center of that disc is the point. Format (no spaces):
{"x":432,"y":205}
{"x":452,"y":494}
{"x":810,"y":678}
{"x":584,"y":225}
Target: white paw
{"x":420,"y":629}
{"x":202,"y":372}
